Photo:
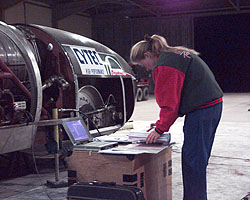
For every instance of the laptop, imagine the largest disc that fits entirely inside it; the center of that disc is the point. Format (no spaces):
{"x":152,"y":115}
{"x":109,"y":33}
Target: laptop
{"x":80,"y":136}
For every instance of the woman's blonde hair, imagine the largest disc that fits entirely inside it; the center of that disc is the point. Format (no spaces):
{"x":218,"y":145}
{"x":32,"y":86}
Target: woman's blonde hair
{"x":155,"y":44}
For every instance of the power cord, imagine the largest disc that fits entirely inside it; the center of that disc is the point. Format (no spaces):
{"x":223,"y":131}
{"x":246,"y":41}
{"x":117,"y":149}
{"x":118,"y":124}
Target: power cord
{"x":36,"y":168}
{"x":86,"y":116}
{"x":108,"y":100}
{"x":35,"y":164}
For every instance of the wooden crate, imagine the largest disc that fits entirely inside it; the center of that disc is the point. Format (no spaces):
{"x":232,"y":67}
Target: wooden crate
{"x":150,"y":172}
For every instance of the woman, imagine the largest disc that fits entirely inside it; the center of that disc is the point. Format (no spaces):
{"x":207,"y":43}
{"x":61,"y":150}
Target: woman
{"x":184,"y":85}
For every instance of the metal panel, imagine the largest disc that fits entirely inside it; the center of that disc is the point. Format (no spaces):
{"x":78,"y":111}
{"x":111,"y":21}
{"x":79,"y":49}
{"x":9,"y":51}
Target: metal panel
{"x":16,"y":138}
{"x":66,"y":38}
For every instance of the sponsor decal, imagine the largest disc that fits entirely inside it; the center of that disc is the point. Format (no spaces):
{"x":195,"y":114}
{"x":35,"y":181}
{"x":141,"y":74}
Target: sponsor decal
{"x":92,"y":62}
{"x":89,"y":60}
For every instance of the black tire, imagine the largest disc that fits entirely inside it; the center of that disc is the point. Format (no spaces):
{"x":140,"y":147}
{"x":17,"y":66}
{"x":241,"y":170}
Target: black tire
{"x":139,"y":94}
{"x":145,"y":93}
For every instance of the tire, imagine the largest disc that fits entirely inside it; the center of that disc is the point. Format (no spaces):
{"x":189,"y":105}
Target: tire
{"x":145,"y":93}
{"x":139,"y":94}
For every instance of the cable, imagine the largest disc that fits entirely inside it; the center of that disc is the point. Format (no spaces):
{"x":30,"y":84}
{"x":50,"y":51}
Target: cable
{"x":29,"y":116}
{"x":244,"y":159}
{"x":86,"y":116}
{"x":107,"y":101}
{"x":34,"y":160}
{"x":214,"y":156}
{"x":90,"y":121}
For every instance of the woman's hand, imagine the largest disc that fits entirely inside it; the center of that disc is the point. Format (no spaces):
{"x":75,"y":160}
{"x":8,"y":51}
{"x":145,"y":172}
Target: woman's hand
{"x":152,"y":137}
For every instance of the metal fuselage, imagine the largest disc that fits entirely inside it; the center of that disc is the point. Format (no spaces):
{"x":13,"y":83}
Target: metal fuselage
{"x":42,"y":69}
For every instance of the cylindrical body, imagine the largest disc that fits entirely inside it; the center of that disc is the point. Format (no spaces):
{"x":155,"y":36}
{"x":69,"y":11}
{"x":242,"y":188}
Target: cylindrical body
{"x":45,"y":68}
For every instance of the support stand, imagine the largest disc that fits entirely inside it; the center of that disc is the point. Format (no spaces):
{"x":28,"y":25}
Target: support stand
{"x":57,"y":183}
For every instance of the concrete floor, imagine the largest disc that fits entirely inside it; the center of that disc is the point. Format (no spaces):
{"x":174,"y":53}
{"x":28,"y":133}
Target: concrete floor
{"x":228,"y":170}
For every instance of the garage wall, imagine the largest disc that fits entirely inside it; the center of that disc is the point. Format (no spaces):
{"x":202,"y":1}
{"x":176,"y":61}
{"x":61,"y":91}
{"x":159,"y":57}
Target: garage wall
{"x":31,"y":12}
{"x":120,"y":34}
{"x":77,"y":24}
{"x":38,"y":14}
{"x":14,"y":14}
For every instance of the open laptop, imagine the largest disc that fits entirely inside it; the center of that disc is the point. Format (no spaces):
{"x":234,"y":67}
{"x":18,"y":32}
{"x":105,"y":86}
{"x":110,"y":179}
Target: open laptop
{"x":80,"y":136}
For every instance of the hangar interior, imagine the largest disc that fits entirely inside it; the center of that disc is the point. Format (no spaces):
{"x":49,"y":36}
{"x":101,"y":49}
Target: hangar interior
{"x":218,"y":29}
{"x":183,"y":23}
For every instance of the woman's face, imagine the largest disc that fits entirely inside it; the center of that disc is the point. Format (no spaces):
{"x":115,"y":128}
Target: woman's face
{"x":148,"y":62}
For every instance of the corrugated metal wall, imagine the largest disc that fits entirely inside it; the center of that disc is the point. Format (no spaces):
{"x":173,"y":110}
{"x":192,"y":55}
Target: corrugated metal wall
{"x":120,"y":33}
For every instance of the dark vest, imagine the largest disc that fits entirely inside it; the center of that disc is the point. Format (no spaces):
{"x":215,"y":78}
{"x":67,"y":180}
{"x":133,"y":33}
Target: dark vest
{"x":200,"y":86}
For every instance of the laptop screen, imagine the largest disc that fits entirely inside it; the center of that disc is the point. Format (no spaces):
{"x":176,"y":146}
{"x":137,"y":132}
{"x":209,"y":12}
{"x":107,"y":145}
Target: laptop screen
{"x":76,"y":130}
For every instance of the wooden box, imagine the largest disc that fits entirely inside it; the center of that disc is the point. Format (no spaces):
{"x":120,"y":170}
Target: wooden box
{"x":150,"y":172}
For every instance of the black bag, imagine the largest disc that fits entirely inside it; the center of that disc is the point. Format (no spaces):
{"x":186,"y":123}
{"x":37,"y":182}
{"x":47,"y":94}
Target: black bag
{"x":103,"y":191}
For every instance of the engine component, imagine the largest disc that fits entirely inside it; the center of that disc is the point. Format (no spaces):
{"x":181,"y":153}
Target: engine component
{"x":93,"y":109}
{"x":7,"y":106}
{"x":89,"y":99}
{"x":77,"y":73}
{"x":61,"y":82}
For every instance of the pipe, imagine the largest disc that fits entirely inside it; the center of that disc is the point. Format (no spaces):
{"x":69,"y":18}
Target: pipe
{"x":13,"y":77}
{"x":56,"y":138}
{"x":5,"y":75}
{"x":124,"y":101}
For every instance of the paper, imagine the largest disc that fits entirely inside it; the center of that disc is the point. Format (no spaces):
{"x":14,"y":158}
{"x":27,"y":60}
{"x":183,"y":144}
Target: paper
{"x":135,"y":135}
{"x":112,"y":138}
{"x":136,"y":149}
{"x":132,"y":136}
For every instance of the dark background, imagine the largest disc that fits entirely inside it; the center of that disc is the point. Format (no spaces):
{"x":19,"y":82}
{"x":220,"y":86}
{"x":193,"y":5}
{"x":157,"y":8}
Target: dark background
{"x":222,"y":40}
{"x":225,"y":45}
{"x":218,"y":29}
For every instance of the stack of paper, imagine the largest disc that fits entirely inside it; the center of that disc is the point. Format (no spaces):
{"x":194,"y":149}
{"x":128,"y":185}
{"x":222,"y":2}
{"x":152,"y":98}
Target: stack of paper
{"x":133,"y":136}
{"x":142,"y":135}
{"x":136,"y":149}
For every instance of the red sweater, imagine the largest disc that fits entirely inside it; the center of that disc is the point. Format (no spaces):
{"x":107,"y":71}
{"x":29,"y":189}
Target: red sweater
{"x":168,"y":87}
{"x":183,"y":83}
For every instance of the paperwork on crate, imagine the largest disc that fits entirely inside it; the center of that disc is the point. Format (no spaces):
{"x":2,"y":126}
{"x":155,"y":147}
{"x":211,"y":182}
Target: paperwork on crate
{"x":136,"y":149}
{"x":133,"y":142}
{"x":133,"y":136}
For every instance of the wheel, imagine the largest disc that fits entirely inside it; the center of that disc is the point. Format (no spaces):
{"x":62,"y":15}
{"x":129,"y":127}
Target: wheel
{"x":89,"y":99}
{"x":139,"y":95}
{"x":145,"y":93}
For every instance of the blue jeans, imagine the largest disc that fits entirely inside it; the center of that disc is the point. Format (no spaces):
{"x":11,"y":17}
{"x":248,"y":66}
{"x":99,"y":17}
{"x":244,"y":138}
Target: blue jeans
{"x":199,"y":131}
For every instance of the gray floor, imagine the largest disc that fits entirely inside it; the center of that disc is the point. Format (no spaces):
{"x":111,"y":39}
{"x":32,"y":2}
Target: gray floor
{"x":228,"y":170}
